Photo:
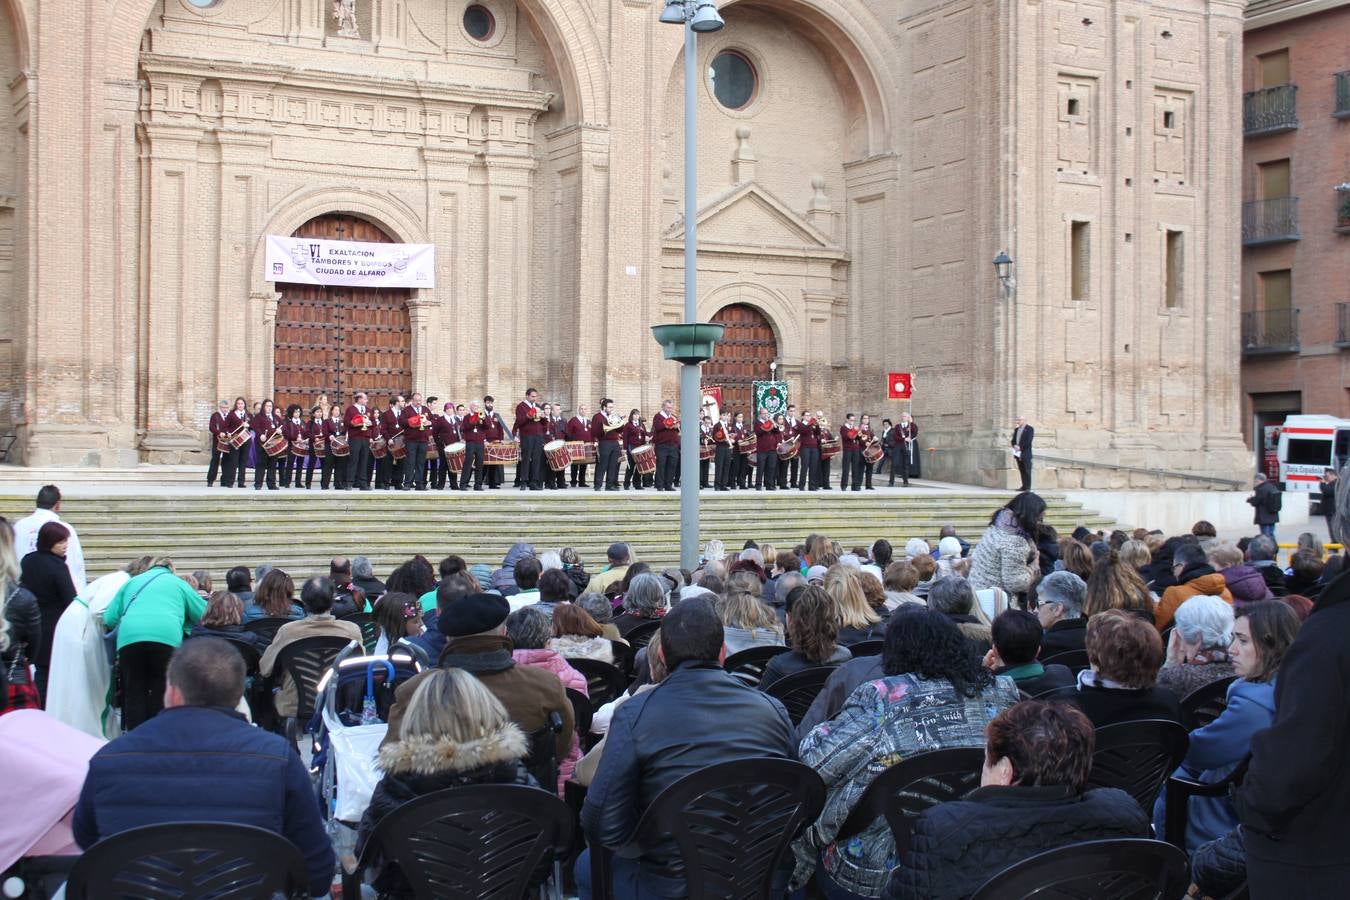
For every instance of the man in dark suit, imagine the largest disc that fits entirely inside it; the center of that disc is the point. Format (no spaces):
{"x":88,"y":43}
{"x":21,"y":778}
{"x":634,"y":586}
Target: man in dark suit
{"x":1021,"y":443}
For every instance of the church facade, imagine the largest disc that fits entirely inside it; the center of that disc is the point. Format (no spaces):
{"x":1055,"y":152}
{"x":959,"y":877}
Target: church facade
{"x":861,"y":163}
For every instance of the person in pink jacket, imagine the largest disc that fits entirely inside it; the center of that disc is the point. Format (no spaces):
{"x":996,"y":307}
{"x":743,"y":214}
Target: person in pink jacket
{"x":529,"y":630}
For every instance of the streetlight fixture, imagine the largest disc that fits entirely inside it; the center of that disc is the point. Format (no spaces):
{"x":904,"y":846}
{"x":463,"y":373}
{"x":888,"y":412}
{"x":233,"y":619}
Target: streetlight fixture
{"x":773,"y":370}
{"x":690,"y":342}
{"x":1005,"y":269}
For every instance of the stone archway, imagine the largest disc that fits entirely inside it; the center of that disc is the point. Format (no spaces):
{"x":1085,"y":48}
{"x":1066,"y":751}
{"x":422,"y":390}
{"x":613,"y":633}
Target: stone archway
{"x":338,"y":340}
{"x":742,"y":356}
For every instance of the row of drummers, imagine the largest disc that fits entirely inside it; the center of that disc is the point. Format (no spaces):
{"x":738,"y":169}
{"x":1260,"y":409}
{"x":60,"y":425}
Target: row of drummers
{"x":570,"y":441}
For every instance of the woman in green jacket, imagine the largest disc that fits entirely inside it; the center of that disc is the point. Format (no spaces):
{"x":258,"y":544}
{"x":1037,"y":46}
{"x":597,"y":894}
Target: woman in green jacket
{"x":152,"y":613}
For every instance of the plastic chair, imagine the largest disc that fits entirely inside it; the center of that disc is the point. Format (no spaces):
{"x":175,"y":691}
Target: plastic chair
{"x":306,"y":661}
{"x":1122,"y":869}
{"x":250,"y":652}
{"x":640,"y":635}
{"x":866,"y":648}
{"x":798,"y":690}
{"x":1075,"y":660}
{"x":731,"y":824}
{"x":582,"y":712}
{"x":748,"y":664}
{"x":603,"y":681}
{"x":488,"y":842}
{"x":542,"y":760}
{"x":1138,"y":757}
{"x":265,"y":629}
{"x":902,"y":792}
{"x":623,"y":657}
{"x":1205,"y":704}
{"x":186,"y":860}
{"x":370,"y":632}
{"x":1180,"y":790}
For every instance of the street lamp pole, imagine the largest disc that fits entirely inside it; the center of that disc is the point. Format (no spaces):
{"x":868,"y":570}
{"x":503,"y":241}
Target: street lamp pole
{"x":694,"y":16}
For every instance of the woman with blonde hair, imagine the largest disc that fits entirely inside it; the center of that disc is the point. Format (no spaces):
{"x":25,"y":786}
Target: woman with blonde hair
{"x":454,"y":733}
{"x":1136,"y":554}
{"x":20,"y":627}
{"x":747,"y":621}
{"x":858,"y":621}
{"x":1115,"y":585}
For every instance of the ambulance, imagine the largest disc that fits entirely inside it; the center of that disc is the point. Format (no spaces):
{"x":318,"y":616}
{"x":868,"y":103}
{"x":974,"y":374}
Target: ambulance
{"x":1308,"y":446}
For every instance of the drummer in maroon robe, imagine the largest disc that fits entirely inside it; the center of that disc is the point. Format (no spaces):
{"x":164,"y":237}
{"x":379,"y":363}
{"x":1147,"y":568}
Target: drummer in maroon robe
{"x":634,"y":436}
{"x":217,"y":428}
{"x":473,"y":431}
{"x":767,"y":436}
{"x":234,"y":461}
{"x":578,"y":428}
{"x":557,"y":431}
{"x":360,"y":422}
{"x":334,"y":470}
{"x":808,"y":436}
{"x":666,"y":437}
{"x":388,"y":471}
{"x":446,"y":432}
{"x":607,"y":431}
{"x":495,"y":433}
{"x":415,"y":422}
{"x":265,"y":424}
{"x":532,"y":430}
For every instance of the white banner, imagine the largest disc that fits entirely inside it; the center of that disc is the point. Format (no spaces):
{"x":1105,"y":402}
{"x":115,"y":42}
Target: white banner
{"x":350,"y":263}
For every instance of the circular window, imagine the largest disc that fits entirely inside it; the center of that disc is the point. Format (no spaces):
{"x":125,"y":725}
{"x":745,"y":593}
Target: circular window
{"x":478,"y":22}
{"x":733,"y":78}
{"x":202,"y":4}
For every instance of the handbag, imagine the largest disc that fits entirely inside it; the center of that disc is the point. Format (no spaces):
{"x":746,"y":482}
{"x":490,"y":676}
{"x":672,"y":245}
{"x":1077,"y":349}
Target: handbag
{"x":110,"y":636}
{"x":20,"y":691}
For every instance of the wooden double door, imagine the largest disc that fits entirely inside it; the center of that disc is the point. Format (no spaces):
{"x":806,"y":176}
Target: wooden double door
{"x":339,"y":340}
{"x":742,"y":357}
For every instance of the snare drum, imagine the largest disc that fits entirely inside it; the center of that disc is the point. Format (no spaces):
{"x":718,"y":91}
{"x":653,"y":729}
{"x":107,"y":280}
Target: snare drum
{"x":379,"y":448}
{"x":320,"y":446}
{"x":240,"y":438}
{"x":340,"y":445}
{"x":583,"y":452}
{"x":300,"y":447}
{"x":706,"y":451}
{"x":829,"y":448}
{"x":872,"y":453}
{"x":398,"y":446}
{"x":558,"y":456}
{"x":746,"y":445}
{"x":644,"y":457}
{"x":788,"y":450}
{"x":276,"y":445}
{"x":222,"y":443}
{"x":454,"y":456}
{"x":499,"y":453}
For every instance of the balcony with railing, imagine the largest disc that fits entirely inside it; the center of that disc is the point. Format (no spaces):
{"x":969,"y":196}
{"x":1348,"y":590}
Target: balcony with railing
{"x":1269,"y":331}
{"x":1342,"y":95}
{"x":1343,"y":325}
{"x":1270,"y":221}
{"x":1270,"y":110}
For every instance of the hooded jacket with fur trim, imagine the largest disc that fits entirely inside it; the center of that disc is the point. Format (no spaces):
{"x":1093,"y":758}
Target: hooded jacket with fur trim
{"x":424,"y":764}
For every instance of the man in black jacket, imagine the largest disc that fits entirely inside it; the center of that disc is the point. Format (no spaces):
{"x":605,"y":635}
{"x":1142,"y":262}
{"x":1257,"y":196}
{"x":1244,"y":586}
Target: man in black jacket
{"x":1294,"y":804}
{"x":1266,"y":501}
{"x":1032,"y":797}
{"x":1021,"y":443}
{"x":697,"y":717}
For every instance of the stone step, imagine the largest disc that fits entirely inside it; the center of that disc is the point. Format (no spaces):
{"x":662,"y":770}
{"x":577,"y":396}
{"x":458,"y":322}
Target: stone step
{"x":300,"y":532}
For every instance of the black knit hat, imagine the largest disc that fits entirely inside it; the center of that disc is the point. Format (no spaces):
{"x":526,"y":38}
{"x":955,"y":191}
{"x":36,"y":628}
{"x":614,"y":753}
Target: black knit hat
{"x":473,"y":614}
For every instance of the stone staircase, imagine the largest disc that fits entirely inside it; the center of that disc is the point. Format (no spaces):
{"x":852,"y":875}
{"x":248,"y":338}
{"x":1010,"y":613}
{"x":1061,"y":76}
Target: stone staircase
{"x":300,"y":531}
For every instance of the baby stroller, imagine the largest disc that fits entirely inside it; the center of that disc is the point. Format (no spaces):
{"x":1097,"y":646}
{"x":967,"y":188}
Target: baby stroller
{"x":351,"y":711}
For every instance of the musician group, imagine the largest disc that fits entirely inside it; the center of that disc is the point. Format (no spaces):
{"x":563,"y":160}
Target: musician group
{"x":411,"y":444}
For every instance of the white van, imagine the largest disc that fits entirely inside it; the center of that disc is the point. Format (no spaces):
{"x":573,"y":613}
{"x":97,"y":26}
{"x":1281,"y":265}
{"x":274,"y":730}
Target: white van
{"x":1308,"y":446}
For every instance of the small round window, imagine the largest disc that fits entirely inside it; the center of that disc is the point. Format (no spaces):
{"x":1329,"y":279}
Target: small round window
{"x":479,"y":23}
{"x":202,"y":4}
{"x":733,"y":78}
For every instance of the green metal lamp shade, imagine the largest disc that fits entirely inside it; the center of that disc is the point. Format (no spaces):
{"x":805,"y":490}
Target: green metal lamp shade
{"x":688,"y":342}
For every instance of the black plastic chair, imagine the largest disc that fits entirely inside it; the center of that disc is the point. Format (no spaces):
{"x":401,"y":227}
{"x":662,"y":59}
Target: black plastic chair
{"x":370,"y":632}
{"x":603,"y":681}
{"x":542,"y":760}
{"x":1138,"y":757}
{"x":265,"y":629}
{"x":623,"y":657}
{"x":640,"y":635}
{"x":731,"y":823}
{"x":582,"y":712}
{"x":748,"y":664}
{"x":185,"y":860}
{"x":1075,"y":660}
{"x":1205,"y":704}
{"x":798,"y":691}
{"x":1180,"y":790}
{"x":1123,"y":869}
{"x":306,"y":661}
{"x":866,"y":648}
{"x":250,"y":652}
{"x":902,"y":792}
{"x":488,"y":842}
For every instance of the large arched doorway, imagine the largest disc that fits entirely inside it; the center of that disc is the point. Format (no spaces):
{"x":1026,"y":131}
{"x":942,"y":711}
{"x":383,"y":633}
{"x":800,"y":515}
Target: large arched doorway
{"x":742,"y":356}
{"x":338,"y":340}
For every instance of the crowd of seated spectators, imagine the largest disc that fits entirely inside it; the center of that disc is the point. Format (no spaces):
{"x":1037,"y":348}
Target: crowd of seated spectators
{"x":1022,"y":643}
